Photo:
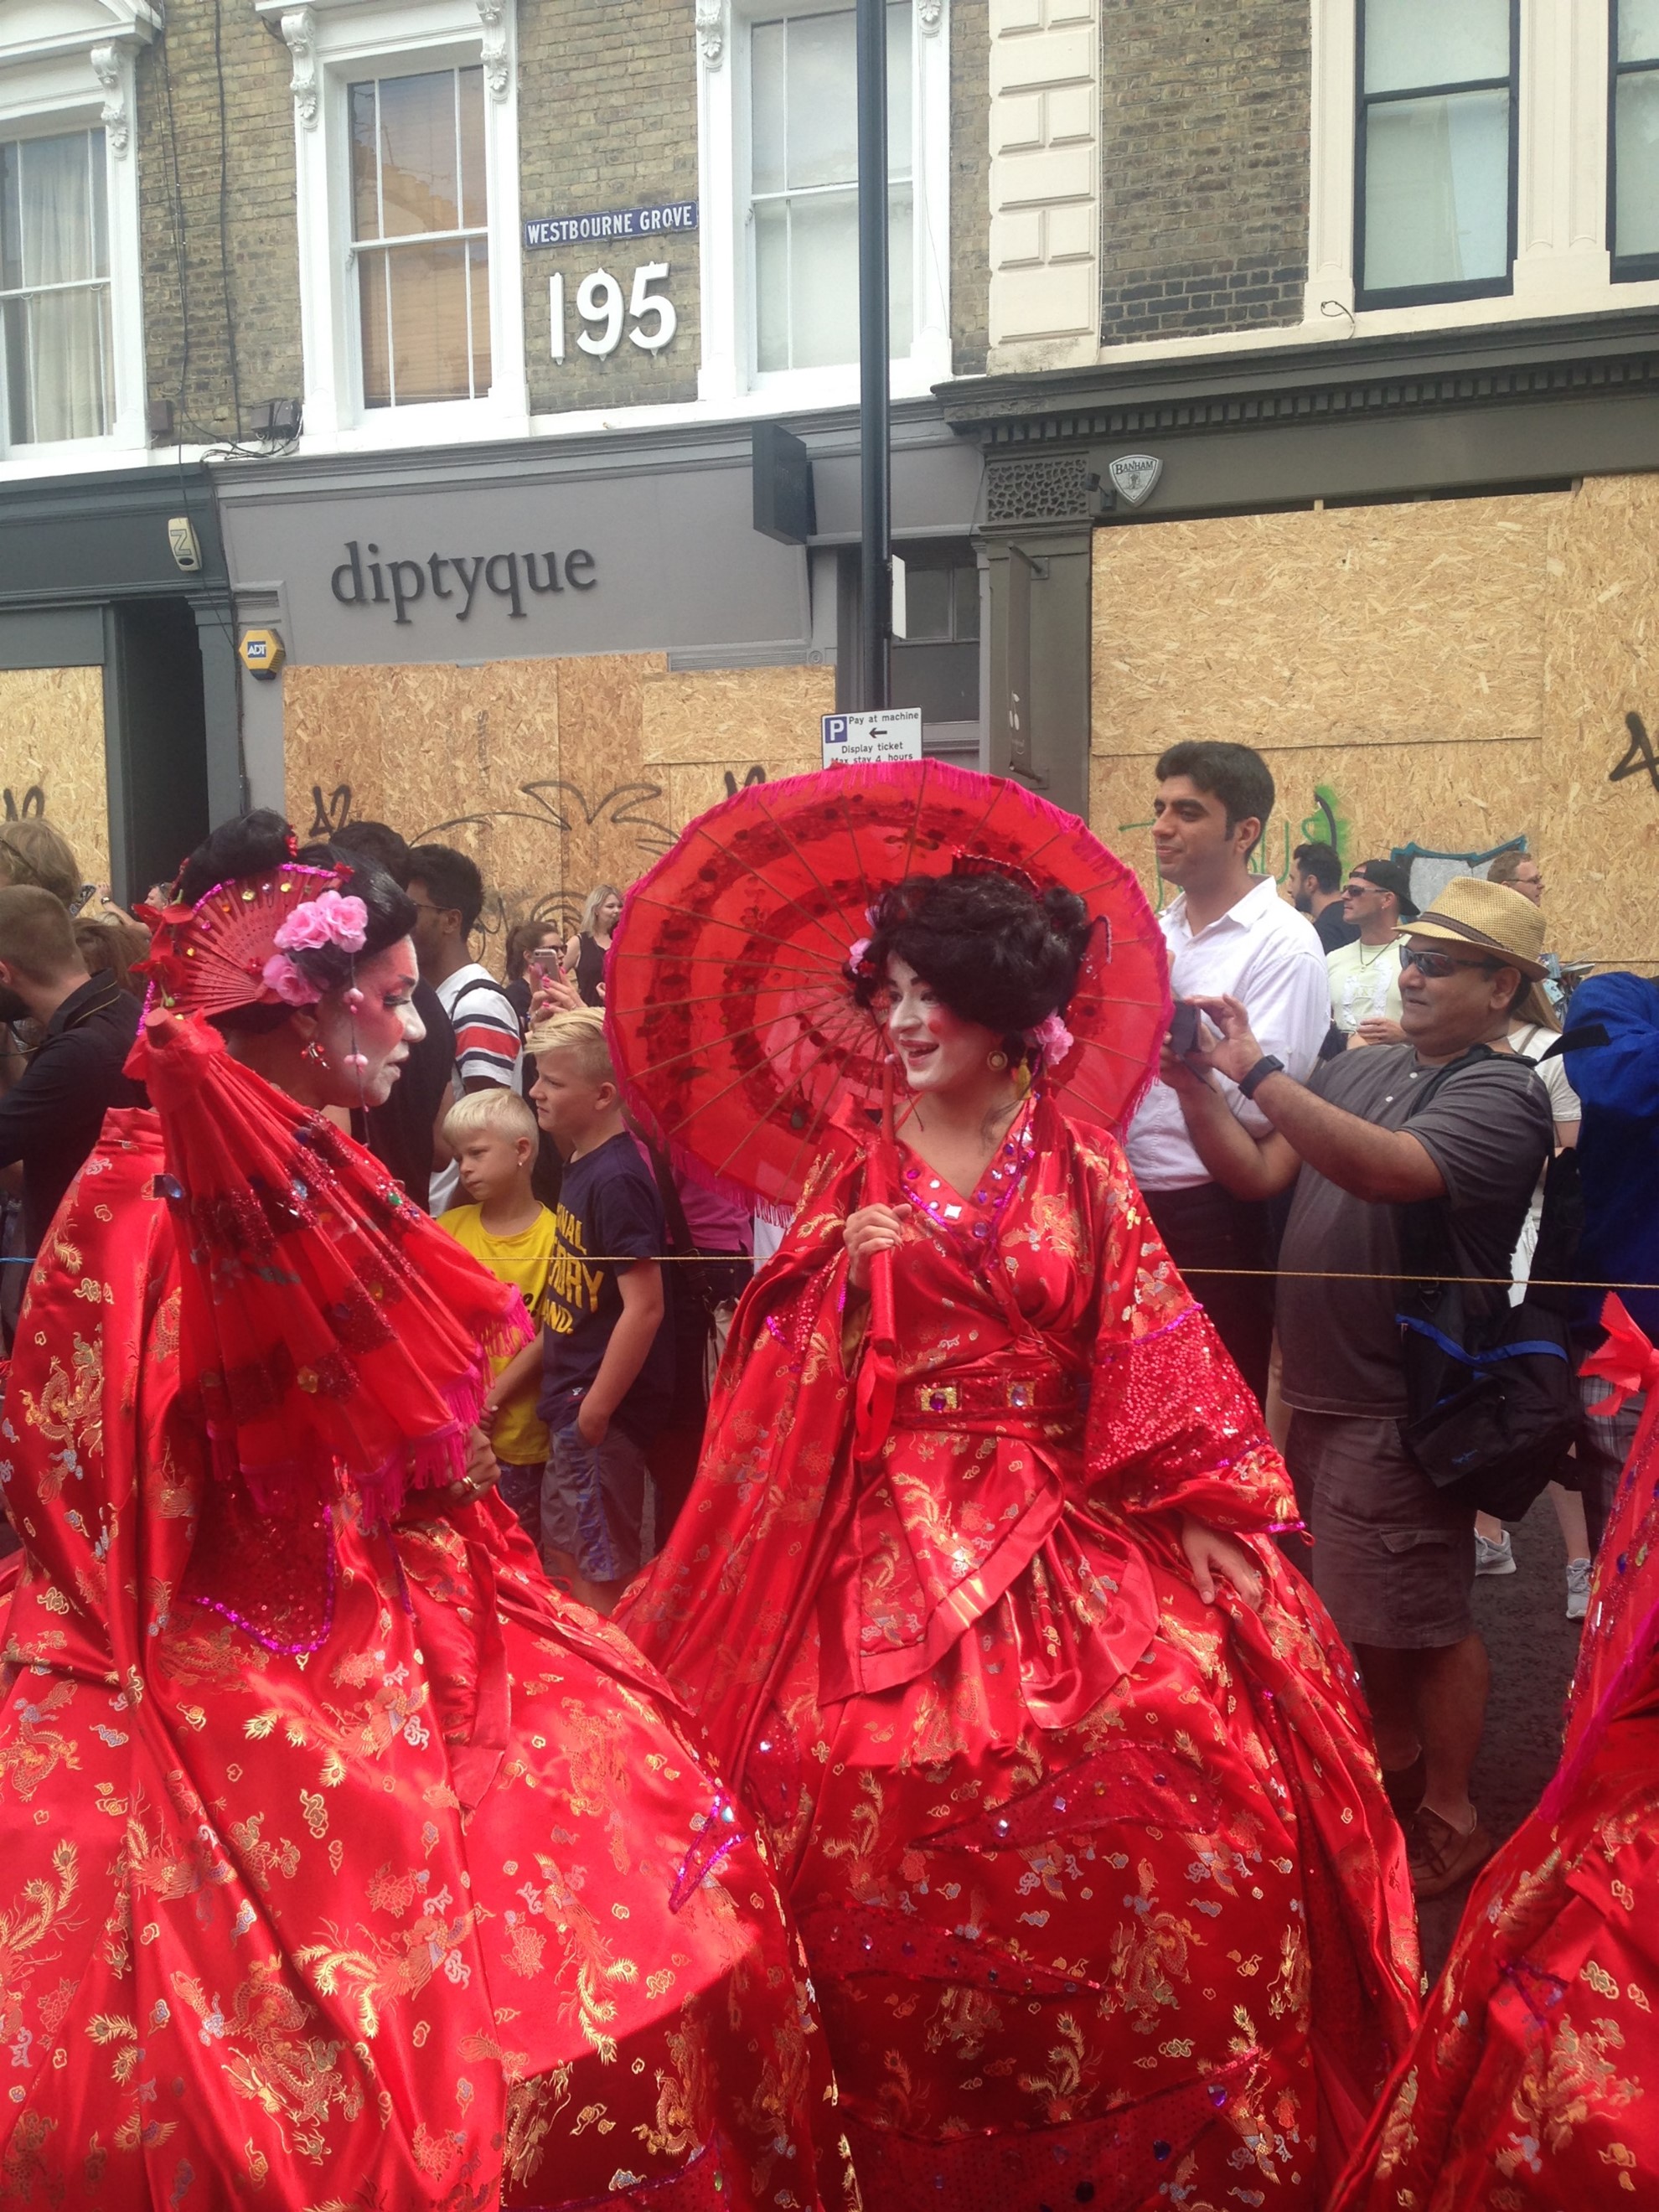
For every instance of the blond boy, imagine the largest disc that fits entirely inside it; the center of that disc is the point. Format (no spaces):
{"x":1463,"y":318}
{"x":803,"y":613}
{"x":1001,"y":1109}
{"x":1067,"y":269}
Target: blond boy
{"x":492,"y":1137}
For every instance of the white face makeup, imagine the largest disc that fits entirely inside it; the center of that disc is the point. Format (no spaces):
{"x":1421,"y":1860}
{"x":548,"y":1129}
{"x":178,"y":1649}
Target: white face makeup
{"x":381,"y":1028}
{"x":937,"y":1051}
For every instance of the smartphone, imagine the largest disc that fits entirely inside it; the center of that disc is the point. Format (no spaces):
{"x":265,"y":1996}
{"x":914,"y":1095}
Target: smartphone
{"x":1183,"y":1030}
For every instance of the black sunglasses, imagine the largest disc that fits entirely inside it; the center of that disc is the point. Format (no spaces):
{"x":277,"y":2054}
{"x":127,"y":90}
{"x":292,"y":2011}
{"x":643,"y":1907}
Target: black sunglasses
{"x":1438,"y":965}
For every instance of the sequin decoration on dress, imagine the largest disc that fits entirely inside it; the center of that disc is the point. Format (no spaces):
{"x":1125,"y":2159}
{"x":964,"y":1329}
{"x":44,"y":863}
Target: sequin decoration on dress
{"x":1099,"y":1887}
{"x":435,"y":1901}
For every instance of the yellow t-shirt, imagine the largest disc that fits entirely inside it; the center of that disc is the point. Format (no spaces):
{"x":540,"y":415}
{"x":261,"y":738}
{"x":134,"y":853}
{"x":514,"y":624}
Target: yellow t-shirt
{"x":518,"y":1437}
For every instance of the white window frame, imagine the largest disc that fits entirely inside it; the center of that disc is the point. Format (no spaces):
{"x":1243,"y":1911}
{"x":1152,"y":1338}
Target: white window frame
{"x":68,"y":66}
{"x":336,"y":43}
{"x":1561,"y":262}
{"x":727,"y":371}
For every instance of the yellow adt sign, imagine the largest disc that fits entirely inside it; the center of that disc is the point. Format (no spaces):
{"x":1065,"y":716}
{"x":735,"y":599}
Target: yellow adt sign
{"x":261,"y":651}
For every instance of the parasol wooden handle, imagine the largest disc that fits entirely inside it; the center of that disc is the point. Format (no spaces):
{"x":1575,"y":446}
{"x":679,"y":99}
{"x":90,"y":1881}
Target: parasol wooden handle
{"x":878,"y":1384}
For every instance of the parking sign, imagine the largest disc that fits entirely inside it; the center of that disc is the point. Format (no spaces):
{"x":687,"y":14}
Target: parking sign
{"x":850,"y":740}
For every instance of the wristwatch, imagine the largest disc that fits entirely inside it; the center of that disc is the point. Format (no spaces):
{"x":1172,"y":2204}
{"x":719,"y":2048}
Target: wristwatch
{"x":1252,"y":1078}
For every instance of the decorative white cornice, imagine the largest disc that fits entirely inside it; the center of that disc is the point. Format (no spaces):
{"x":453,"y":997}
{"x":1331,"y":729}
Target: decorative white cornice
{"x":85,"y":27}
{"x":106,"y":68}
{"x":498,"y":70}
{"x":711,"y":31}
{"x":932,"y":13}
{"x":299,"y":37}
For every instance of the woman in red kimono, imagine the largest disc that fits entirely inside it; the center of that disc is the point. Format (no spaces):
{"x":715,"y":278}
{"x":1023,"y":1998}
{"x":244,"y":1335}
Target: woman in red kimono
{"x":1066,"y":1769}
{"x":1533,"y":2082}
{"x":340,"y":1862}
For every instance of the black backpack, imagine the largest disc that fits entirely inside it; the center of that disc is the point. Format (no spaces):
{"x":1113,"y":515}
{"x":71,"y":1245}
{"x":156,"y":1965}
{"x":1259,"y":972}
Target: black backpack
{"x":1493,"y":1404}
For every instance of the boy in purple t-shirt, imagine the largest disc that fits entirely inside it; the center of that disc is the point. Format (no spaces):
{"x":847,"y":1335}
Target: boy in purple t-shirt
{"x":608,"y":1362}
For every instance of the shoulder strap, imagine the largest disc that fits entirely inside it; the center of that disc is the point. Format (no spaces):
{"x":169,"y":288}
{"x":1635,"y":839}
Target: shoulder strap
{"x":679,"y":1229}
{"x":1426,"y":1250}
{"x":477,"y":983}
{"x":486,"y":983}
{"x":1472,"y":1058}
{"x":1581,"y":1039}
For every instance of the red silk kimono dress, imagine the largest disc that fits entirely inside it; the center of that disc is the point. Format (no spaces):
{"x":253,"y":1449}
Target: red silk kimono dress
{"x":447,"y":1910}
{"x":1100,"y":1894}
{"x":1533,"y":2082}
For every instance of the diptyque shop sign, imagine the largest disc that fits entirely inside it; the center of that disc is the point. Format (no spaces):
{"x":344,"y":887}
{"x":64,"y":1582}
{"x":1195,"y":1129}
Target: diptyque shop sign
{"x":368,"y":578}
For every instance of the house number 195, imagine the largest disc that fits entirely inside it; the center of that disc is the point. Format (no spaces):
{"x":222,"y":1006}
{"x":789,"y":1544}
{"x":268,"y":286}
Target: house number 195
{"x":599,"y":304}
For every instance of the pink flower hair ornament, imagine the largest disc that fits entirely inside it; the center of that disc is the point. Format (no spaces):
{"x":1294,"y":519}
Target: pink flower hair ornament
{"x":291,"y":984}
{"x":329,"y":918}
{"x":1052,"y":1039}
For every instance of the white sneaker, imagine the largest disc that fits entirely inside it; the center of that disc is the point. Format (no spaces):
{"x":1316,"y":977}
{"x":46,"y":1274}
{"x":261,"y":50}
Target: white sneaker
{"x":1578,"y":1579}
{"x":1491,"y":1558}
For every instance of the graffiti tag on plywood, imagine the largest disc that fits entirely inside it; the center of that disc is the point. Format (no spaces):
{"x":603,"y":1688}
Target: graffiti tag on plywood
{"x":573,"y":812}
{"x":330,"y":814}
{"x":589,"y":849}
{"x":1429,"y":869}
{"x":1639,"y":757}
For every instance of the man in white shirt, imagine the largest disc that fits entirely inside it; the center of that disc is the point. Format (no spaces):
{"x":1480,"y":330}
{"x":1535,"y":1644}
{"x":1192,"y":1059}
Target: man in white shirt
{"x":1228,"y":932}
{"x":1364,"y":976}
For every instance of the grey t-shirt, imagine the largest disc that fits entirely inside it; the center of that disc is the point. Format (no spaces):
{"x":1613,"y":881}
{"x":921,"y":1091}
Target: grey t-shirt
{"x":1487,"y":1129}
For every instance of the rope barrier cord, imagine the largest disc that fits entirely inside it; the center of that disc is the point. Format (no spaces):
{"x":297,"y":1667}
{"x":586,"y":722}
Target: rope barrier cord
{"x":1266,"y":1274}
{"x":1482,"y":1282}
{"x":1262,"y":1274}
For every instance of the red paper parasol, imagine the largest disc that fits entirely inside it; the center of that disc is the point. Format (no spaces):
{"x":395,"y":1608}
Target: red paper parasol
{"x":730,"y":1014}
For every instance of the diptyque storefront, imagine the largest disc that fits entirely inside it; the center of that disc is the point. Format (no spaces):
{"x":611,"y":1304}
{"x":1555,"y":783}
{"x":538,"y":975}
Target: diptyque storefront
{"x":556,"y":653}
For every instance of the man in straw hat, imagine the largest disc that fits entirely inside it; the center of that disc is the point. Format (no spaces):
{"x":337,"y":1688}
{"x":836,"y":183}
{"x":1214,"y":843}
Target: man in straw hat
{"x":1393,"y":1559}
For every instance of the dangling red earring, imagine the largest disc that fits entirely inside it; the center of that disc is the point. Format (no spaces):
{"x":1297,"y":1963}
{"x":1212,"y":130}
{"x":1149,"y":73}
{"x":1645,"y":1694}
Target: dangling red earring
{"x":314,"y":1053}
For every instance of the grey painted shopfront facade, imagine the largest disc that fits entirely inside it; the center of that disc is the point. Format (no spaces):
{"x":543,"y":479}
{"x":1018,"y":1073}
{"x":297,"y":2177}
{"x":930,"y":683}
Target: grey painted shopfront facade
{"x":144,"y":751}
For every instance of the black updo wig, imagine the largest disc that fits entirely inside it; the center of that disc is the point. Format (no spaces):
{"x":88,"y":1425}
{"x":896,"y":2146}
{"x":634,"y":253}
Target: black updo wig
{"x":997,"y":951}
{"x":255,"y":844}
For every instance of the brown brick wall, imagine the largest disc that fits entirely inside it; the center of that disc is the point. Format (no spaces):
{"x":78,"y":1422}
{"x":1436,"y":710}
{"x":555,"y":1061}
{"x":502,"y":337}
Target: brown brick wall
{"x":232,"y":325}
{"x":608,"y":119}
{"x":971,"y":184}
{"x":1204,"y":165}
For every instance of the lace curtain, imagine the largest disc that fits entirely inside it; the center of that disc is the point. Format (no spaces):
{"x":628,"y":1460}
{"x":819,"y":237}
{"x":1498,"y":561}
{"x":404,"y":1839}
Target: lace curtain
{"x":54,"y":277}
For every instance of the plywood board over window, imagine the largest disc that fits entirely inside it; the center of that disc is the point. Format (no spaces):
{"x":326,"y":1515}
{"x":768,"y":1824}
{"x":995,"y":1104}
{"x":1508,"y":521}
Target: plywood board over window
{"x":554,"y":774}
{"x":1448,"y":674}
{"x":51,"y":757}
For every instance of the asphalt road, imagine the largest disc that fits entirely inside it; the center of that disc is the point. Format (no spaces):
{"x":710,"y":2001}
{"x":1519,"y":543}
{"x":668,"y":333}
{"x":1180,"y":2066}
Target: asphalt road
{"x":1533,"y":1647}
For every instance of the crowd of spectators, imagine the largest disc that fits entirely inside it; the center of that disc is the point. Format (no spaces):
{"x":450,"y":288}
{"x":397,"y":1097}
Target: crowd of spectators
{"x":1442,"y":1102}
{"x":1344,"y":1068}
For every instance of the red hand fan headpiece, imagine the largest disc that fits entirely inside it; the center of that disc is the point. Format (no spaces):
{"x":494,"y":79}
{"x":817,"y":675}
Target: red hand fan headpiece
{"x":232,"y":948}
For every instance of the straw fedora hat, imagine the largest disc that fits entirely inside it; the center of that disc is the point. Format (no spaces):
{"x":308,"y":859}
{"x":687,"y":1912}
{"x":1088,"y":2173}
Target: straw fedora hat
{"x":1488,"y":918}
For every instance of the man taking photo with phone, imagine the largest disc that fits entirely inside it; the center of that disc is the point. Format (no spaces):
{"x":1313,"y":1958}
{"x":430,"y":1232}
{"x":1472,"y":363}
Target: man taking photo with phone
{"x":1228,"y":933}
{"x":1452,"y":1121}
